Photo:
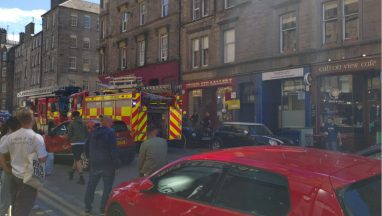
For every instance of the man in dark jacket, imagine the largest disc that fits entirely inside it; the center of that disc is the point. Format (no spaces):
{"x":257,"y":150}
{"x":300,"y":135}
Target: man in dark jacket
{"x":101,"y":150}
{"x":77,"y":134}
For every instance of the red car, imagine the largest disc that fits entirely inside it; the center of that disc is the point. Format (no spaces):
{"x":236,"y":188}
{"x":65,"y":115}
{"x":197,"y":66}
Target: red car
{"x":264,"y":180}
{"x":57,"y":142}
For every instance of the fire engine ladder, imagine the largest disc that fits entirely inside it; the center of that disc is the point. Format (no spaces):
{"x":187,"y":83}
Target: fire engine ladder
{"x":45,"y":91}
{"x":122,"y":83}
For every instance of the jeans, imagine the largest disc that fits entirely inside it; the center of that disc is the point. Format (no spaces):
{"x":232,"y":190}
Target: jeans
{"x":5,"y":193}
{"x":94,"y":177}
{"x":23,"y":197}
{"x":331,"y":145}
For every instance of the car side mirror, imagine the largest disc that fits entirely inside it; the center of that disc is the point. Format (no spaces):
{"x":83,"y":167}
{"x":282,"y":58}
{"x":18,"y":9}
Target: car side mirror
{"x":146,"y":186}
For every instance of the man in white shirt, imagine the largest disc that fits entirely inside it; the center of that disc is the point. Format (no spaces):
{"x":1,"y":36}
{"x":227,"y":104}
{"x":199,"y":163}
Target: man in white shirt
{"x":19,"y":145}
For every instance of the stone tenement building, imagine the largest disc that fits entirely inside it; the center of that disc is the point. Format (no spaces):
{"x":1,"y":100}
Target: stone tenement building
{"x":290,"y":64}
{"x":27,"y":62}
{"x":140,"y":38}
{"x":71,"y":30}
{"x":6,"y":69}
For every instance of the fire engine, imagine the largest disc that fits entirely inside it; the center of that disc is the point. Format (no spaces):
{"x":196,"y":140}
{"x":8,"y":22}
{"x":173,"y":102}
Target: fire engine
{"x":124,"y":99}
{"x":51,"y":105}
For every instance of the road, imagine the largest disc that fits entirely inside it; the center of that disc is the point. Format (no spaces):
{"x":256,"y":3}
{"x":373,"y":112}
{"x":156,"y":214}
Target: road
{"x":63,"y":197}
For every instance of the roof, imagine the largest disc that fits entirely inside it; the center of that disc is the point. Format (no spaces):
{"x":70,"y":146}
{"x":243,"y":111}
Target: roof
{"x":81,"y":5}
{"x":299,"y":161}
{"x":241,"y":123}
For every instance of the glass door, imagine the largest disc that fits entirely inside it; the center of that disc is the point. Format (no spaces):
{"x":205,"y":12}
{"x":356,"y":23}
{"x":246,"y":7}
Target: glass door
{"x":374,"y":109}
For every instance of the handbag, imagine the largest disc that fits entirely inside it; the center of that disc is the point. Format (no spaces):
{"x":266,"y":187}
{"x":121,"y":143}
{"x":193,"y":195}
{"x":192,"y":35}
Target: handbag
{"x":35,"y":171}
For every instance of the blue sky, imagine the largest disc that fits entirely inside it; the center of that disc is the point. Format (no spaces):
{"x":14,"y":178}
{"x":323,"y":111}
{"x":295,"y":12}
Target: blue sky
{"x":15,"y":14}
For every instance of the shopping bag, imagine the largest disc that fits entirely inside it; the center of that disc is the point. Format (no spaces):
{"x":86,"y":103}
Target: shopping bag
{"x":35,"y":172}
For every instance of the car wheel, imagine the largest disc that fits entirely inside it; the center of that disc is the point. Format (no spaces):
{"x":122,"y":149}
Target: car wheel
{"x":115,"y":210}
{"x":216,"y":145}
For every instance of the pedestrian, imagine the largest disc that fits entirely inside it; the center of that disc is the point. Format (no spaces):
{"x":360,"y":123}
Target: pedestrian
{"x":333,"y":136}
{"x":101,"y":149}
{"x":77,"y":134}
{"x":194,"y":119}
{"x":20,"y":144}
{"x":152,"y":153}
{"x":12,"y":124}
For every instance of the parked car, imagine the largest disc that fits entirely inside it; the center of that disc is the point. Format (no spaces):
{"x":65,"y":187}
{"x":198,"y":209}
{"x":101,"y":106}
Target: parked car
{"x":373,"y":151}
{"x":194,"y":136}
{"x":235,"y":134}
{"x":57,"y":141}
{"x":255,"y":180}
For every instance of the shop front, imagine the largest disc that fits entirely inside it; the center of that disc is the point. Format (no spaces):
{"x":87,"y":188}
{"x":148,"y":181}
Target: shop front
{"x":284,"y":104}
{"x":348,"y":93}
{"x":215,"y":97}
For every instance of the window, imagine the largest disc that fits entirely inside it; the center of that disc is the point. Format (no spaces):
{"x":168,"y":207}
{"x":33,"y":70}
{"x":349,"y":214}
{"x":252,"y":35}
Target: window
{"x":205,"y":6}
{"x":288,"y":35}
{"x":3,"y":104}
{"x":73,"y":41}
{"x":229,"y":46}
{"x":47,"y":23}
{"x":86,"y":63}
{"x":254,"y":191}
{"x":362,"y":198}
{"x":205,"y":51}
{"x":87,"y":22}
{"x":85,"y":84}
{"x":193,"y":180}
{"x":47,"y":44}
{"x":141,"y":53}
{"x":4,"y":72}
{"x":330,"y":30}
{"x":123,"y":54}
{"x":350,"y":21}
{"x":229,"y":3}
{"x":86,"y":43}
{"x":163,"y":43}
{"x":73,"y":20}
{"x":52,"y":45}
{"x":4,"y":88}
{"x":72,"y":62}
{"x":102,"y":62}
{"x":125,"y":18}
{"x":103,"y":29}
{"x":4,"y":56}
{"x":142,"y":14}
{"x":195,"y":53}
{"x":52,"y":63}
{"x":196,"y":9}
{"x":53,"y":19}
{"x":164,"y":8}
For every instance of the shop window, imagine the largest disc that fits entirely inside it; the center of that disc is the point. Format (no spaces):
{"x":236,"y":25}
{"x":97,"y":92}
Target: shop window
{"x":292,"y":104}
{"x":222,"y":110}
{"x":288,"y":32}
{"x":330,"y":10}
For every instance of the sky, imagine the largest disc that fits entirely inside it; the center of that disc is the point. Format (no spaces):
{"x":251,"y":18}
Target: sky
{"x":16,"y":14}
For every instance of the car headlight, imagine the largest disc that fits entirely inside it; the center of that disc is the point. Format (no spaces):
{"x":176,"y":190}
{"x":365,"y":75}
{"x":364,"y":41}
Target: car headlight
{"x":193,"y":134}
{"x":272,"y":142}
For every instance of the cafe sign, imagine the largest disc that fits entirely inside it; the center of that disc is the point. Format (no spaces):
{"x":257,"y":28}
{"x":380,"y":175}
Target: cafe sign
{"x":209,"y":83}
{"x":341,"y":67}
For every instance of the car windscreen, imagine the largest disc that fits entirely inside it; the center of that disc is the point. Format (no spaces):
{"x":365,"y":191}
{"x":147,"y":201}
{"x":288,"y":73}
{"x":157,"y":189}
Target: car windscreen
{"x":119,"y":126}
{"x":362,"y":198}
{"x":259,"y":130}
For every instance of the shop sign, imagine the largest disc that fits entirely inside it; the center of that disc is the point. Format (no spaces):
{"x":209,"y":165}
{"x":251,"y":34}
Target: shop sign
{"x":233,"y":104}
{"x":360,"y":65}
{"x":209,"y":83}
{"x":296,"y":72}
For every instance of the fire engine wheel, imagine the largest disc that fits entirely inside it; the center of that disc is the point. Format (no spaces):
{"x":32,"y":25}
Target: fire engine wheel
{"x":115,"y":210}
{"x":216,"y":145}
